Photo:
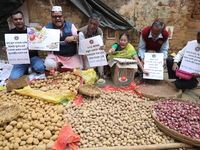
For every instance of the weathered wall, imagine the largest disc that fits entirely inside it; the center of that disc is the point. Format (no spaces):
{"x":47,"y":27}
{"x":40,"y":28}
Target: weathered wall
{"x":182,"y":14}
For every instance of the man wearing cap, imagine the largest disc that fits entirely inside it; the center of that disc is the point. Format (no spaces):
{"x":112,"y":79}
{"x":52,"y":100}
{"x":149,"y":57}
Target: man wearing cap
{"x":154,"y":38}
{"x":68,"y":32}
{"x":90,"y":30}
{"x":174,"y":63}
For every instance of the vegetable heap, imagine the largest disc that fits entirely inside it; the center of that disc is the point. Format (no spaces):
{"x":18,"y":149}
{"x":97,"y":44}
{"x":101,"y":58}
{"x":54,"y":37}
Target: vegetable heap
{"x":115,"y":119}
{"x":37,"y":127}
{"x":183,"y":117}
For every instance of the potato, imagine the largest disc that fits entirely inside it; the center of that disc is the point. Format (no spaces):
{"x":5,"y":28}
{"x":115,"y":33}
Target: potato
{"x":22,"y":143}
{"x":25,"y":126}
{"x":60,"y":110}
{"x":28,"y":131}
{"x":40,"y":136}
{"x":13,"y":123}
{"x":8,"y":135}
{"x":54,"y":137}
{"x":35,"y":141}
{"x":9,"y":128}
{"x":29,"y":140}
{"x":24,"y":138}
{"x":16,"y":145}
{"x":50,"y":145}
{"x":47,"y":134}
{"x":34,"y":115}
{"x":40,"y":147}
{"x":41,"y":126}
{"x":19,"y":125}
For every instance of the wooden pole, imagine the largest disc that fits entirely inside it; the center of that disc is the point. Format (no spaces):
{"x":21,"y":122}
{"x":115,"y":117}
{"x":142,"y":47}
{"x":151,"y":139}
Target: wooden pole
{"x":51,"y":3}
{"x":142,"y":147}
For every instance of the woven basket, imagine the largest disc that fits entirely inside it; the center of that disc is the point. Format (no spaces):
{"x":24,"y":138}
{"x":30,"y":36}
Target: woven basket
{"x":8,"y":112}
{"x":90,"y":90}
{"x":159,"y":89}
{"x":174,"y":134}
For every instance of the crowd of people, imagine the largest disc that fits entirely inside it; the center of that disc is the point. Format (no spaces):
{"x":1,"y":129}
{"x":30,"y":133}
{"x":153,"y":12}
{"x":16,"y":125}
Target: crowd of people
{"x":71,"y":55}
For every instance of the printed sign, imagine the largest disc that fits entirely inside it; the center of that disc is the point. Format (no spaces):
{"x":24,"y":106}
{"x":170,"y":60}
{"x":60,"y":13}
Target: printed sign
{"x":191,"y":58}
{"x":17,"y":51}
{"x":96,"y":57}
{"x":153,"y":63}
{"x":45,"y":39}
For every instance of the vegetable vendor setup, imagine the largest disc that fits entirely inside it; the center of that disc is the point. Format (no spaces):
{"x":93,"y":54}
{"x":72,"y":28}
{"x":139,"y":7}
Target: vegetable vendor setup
{"x":115,"y":118}
{"x":65,"y":109}
{"x":62,"y":111}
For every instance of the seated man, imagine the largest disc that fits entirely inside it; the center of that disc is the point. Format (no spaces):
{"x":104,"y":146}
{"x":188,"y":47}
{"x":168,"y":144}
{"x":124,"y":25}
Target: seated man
{"x":35,"y":62}
{"x":90,"y":30}
{"x":174,"y":63}
{"x":68,"y":32}
{"x":154,"y":38}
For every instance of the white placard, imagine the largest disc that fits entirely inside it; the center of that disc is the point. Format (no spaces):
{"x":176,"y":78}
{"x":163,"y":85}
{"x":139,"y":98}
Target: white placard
{"x":96,"y":57}
{"x":45,"y":39}
{"x":17,"y":51}
{"x":191,"y":58}
{"x":153,"y":63}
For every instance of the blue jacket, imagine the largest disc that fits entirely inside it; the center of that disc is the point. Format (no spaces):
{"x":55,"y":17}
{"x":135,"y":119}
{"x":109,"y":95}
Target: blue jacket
{"x":66,"y":49}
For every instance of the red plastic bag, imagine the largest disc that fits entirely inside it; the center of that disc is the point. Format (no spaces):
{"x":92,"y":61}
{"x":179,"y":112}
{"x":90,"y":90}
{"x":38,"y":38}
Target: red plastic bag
{"x":132,"y":87}
{"x":66,"y":139}
{"x":78,"y":100}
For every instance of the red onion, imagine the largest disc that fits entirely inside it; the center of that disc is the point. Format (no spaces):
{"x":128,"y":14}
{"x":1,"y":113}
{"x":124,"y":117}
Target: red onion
{"x":183,"y":117}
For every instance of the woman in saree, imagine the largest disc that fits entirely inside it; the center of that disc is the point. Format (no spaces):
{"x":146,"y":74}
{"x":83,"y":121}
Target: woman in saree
{"x":123,"y":49}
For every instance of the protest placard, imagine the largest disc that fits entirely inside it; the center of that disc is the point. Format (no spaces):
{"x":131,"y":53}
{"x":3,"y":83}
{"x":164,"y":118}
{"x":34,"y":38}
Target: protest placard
{"x":153,"y":63}
{"x":17,"y":51}
{"x":191,"y":58}
{"x":96,"y":57}
{"x":45,"y":39}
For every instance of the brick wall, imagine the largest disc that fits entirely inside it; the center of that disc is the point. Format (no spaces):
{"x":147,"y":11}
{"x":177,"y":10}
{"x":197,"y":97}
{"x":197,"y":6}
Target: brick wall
{"x":182,"y":14}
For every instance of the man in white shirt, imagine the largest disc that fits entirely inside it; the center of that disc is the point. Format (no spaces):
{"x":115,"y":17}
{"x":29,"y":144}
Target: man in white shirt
{"x":174,"y":63}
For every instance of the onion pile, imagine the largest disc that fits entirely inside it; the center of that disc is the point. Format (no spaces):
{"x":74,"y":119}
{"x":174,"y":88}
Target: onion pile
{"x":183,"y":117}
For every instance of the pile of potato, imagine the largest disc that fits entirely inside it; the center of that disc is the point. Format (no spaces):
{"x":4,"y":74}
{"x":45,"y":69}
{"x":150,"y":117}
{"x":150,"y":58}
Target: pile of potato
{"x":36,"y":128}
{"x":115,"y":119}
{"x":67,"y":81}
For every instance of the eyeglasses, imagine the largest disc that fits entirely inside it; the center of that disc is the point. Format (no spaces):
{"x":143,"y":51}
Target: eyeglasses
{"x":55,"y":17}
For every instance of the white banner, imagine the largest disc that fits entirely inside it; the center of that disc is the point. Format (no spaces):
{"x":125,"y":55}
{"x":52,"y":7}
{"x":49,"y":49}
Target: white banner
{"x":191,"y":58}
{"x":17,"y":51}
{"x":96,"y":57}
{"x":45,"y":39}
{"x":153,"y":63}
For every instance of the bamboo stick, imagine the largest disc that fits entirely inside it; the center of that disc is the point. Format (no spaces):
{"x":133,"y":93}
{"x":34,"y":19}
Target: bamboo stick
{"x":51,"y":3}
{"x":142,"y":147}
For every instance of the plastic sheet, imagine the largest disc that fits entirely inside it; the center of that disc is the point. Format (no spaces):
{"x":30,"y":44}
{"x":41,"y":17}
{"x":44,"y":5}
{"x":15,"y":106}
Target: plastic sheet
{"x":66,"y":139}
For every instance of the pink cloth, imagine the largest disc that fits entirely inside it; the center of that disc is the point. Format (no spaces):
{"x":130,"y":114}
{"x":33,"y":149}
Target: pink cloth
{"x":74,"y":30}
{"x":69,"y":62}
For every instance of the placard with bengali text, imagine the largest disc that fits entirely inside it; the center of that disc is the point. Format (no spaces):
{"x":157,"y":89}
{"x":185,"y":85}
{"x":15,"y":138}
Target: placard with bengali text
{"x":96,"y":57}
{"x":153,"y":63}
{"x":191,"y":58}
{"x":17,"y":51}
